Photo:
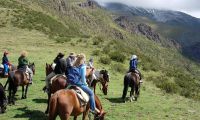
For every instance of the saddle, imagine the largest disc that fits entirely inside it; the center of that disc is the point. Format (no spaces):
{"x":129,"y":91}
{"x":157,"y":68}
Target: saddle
{"x":1,"y":69}
{"x":82,"y":96}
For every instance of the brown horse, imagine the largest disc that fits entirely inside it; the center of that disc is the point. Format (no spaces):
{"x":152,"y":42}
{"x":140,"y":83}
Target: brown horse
{"x":59,"y":83}
{"x":65,"y":103}
{"x":102,"y":76}
{"x":18,"y":78}
{"x":131,"y":79}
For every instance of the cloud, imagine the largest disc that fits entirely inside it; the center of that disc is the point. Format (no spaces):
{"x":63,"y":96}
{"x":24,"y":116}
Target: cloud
{"x":191,"y":7}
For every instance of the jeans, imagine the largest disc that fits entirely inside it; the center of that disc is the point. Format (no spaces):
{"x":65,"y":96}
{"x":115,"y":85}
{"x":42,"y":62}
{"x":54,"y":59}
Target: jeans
{"x":91,"y":95}
{"x":5,"y":68}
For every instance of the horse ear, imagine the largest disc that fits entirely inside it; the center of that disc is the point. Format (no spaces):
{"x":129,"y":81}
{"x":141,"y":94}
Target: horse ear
{"x":33,"y":63}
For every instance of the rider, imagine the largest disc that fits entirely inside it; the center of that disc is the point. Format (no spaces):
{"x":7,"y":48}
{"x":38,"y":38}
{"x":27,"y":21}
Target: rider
{"x":80,"y":62}
{"x":23,"y":65}
{"x":90,"y":66}
{"x":70,"y":61}
{"x":60,"y":68}
{"x":5,"y":63}
{"x":133,"y":66}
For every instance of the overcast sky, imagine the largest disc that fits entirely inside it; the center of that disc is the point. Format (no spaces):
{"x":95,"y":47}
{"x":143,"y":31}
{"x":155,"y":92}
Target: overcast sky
{"x":191,"y":7}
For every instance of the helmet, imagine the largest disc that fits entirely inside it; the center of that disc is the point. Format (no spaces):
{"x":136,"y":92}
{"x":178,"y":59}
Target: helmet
{"x":134,"y":57}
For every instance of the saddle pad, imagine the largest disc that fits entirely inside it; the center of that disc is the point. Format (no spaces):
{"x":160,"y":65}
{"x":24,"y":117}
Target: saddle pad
{"x":1,"y":66}
{"x":83,"y":97}
{"x":56,"y":77}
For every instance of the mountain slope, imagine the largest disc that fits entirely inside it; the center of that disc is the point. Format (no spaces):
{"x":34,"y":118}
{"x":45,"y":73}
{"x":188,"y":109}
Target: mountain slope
{"x":178,"y":26}
{"x":47,"y":27}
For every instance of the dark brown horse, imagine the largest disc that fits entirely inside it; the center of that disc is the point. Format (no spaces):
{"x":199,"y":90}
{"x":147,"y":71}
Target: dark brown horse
{"x":18,"y":78}
{"x":102,"y":76}
{"x":131,"y":79}
{"x":3,"y":99}
{"x":65,"y":103}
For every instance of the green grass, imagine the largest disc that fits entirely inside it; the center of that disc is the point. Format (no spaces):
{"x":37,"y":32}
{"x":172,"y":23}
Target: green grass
{"x":152,"y":104}
{"x":44,"y":32}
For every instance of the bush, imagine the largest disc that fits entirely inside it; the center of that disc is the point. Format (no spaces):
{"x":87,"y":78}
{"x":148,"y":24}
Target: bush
{"x":105,"y":60}
{"x":119,"y":68}
{"x":96,"y":53}
{"x":168,"y":86}
{"x":117,"y":56}
{"x":62,"y":39}
{"x":97,"y":40}
{"x":106,"y":50}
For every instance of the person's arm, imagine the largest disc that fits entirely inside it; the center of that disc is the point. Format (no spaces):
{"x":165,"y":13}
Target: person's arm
{"x":83,"y":74}
{"x":25,"y":61}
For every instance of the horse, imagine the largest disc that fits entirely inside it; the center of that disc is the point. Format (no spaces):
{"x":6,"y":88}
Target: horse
{"x":19,"y":78}
{"x":131,"y":79}
{"x":12,"y":68}
{"x":65,"y":103}
{"x":3,"y":99}
{"x":102,"y":76}
{"x":59,"y":83}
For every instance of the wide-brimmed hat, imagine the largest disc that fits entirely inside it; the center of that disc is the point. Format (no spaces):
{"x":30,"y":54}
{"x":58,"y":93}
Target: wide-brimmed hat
{"x":60,"y":54}
{"x":72,"y":54}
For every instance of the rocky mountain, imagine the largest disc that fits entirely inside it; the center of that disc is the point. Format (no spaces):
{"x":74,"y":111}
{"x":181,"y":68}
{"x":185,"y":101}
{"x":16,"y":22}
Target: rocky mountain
{"x":179,"y":27}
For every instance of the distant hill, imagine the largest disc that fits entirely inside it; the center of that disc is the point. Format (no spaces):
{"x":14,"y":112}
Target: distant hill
{"x":182,"y":28}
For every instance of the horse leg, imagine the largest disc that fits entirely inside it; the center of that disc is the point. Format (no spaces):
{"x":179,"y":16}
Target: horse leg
{"x":26,"y":91}
{"x":6,"y":84}
{"x":125,"y":89}
{"x":136,"y":92}
{"x":65,"y":117}
{"x":95,"y":88}
{"x":10,"y":94}
{"x":13,"y":94}
{"x":48,"y":100}
{"x":75,"y":117}
{"x":22,"y":92}
{"x":86,"y":112}
{"x":131,"y":93}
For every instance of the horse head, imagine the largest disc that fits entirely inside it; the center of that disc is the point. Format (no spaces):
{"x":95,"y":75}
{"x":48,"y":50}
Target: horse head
{"x":104,"y":81}
{"x":32,"y":67}
{"x":100,"y":116}
{"x":49,"y":69}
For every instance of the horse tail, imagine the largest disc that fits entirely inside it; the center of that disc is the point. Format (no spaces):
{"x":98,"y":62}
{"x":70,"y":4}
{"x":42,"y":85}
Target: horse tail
{"x":53,"y":110}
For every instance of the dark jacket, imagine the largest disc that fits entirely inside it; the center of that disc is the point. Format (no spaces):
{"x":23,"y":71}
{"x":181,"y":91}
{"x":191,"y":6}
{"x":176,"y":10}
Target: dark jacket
{"x":61,"y":66}
{"x":133,"y":64}
{"x":5,"y":60}
{"x":22,"y":62}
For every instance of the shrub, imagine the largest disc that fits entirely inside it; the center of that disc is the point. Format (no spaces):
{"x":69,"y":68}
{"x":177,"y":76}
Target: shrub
{"x":96,"y":53}
{"x":105,"y":60}
{"x":62,"y":39}
{"x":117,"y":56}
{"x":106,"y":50}
{"x":119,"y":68}
{"x":97,"y":40}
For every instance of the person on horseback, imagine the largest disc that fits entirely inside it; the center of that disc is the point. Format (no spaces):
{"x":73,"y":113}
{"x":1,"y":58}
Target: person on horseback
{"x":70,"y":61}
{"x":80,"y":63}
{"x":5,"y":63}
{"x":60,"y":68}
{"x":90,"y":66}
{"x":133,"y":66}
{"x":23,"y":65}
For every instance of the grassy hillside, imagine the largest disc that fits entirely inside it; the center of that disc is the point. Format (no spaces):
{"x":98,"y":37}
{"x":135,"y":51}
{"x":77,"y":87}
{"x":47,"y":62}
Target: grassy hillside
{"x":44,"y":31}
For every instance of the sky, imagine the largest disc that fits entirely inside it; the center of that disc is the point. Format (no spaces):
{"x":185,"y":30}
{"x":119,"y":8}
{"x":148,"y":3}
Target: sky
{"x":191,"y":7}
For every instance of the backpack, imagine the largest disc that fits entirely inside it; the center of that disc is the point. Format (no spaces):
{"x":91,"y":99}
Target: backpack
{"x":74,"y":75}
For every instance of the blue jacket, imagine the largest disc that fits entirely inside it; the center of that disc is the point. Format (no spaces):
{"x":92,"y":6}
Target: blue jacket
{"x":5,"y":60}
{"x":133,"y":64}
{"x":83,"y":75}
